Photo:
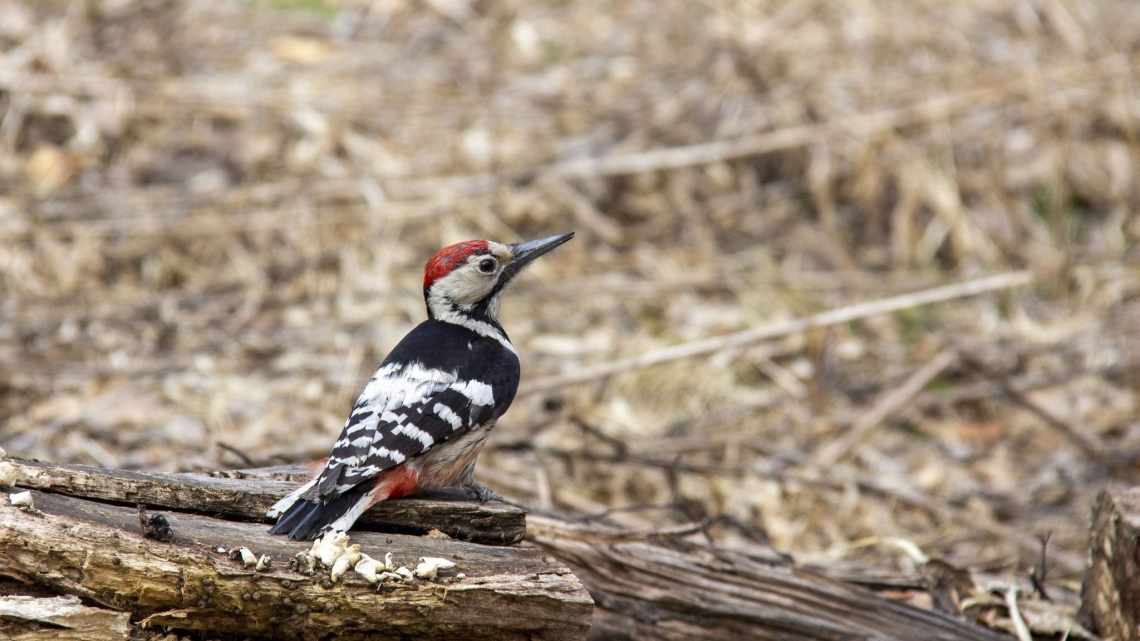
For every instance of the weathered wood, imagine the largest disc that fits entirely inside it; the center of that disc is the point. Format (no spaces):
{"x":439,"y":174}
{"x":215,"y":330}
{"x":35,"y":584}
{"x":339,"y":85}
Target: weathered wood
{"x":64,"y":618}
{"x":1110,"y":592}
{"x":96,"y":551}
{"x":249,"y":496}
{"x":644,"y":589}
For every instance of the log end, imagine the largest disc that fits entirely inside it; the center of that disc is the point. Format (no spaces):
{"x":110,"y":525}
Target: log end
{"x":1110,"y":592}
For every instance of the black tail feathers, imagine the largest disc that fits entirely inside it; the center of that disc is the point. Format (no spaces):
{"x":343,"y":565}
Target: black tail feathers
{"x":305,"y":520}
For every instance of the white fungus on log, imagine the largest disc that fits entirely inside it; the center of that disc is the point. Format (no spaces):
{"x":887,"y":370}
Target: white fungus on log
{"x":345,"y":561}
{"x":429,"y":567}
{"x":329,"y":547}
{"x":22,"y":500}
{"x":304,"y":563}
{"x":333,"y":551}
{"x":368,"y":568}
{"x":248,"y":558}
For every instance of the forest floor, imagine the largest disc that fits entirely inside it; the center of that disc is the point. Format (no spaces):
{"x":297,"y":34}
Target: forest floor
{"x":214,"y":216}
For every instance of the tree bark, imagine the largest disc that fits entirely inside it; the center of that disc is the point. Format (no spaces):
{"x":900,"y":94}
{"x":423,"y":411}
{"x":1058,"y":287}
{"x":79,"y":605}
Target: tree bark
{"x":64,"y":618}
{"x":651,"y":590}
{"x":644,"y":587}
{"x":96,"y":551}
{"x":1110,"y":592}
{"x":247,"y":495}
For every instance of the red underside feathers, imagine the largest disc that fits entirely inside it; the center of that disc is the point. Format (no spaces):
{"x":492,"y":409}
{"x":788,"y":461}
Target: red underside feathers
{"x":394,"y":483}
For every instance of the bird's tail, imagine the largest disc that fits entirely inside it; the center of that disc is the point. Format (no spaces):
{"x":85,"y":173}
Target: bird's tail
{"x":287,"y":502}
{"x":305,"y":519}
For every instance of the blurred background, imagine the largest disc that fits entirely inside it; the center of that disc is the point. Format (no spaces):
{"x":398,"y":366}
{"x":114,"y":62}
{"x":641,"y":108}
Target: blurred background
{"x":214,"y":216}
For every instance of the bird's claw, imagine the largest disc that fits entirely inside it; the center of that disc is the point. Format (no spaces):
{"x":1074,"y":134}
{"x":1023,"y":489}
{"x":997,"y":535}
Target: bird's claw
{"x":482,"y":493}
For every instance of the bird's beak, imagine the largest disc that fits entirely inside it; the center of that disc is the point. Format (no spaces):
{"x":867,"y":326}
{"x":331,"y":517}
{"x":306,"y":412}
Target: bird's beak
{"x":525,"y":253}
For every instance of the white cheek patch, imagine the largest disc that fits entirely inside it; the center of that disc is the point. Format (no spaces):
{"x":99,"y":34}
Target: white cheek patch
{"x":465,"y":285}
{"x":451,"y":296}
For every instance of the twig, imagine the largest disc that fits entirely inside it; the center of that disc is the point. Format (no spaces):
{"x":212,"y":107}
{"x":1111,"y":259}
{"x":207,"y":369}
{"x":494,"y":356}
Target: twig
{"x":1007,"y":280}
{"x":1039,"y":573}
{"x":888,"y":404}
{"x":645,"y":507}
{"x":612,"y":534}
{"x":1019,"y":626}
{"x":931,"y":109}
{"x":242,"y":456}
{"x":1088,"y":446}
{"x":837,"y":479}
{"x":620,"y":448}
{"x":586,"y":213}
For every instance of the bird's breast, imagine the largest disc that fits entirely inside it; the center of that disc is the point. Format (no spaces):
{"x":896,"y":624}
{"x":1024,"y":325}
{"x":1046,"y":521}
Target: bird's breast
{"x":452,"y":463}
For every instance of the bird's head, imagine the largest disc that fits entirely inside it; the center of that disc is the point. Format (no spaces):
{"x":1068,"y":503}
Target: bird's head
{"x":467,"y":278}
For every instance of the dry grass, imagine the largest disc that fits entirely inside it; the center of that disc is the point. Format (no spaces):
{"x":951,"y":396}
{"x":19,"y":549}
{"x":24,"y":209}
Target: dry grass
{"x":213,"y":217}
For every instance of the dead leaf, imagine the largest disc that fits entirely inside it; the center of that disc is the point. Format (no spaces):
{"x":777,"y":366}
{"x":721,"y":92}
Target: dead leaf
{"x":49,"y":168}
{"x":300,"y":50}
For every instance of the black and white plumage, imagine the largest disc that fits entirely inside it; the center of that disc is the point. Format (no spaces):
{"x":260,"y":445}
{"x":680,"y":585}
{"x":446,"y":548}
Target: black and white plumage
{"x":424,"y":415}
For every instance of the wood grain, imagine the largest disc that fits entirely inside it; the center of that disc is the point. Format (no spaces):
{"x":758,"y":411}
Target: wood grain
{"x":96,"y":551}
{"x":249,"y":496}
{"x":680,"y":591}
{"x":1110,"y":593}
{"x":62,"y":618}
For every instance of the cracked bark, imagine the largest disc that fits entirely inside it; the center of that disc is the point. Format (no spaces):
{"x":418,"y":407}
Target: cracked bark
{"x":644,"y":588}
{"x":248,"y":494}
{"x":63,"y":618}
{"x":96,"y":551}
{"x":1110,"y":593}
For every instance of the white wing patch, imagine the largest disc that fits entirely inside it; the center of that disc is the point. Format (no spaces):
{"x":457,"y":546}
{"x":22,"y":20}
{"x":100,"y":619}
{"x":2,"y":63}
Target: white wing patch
{"x":382,"y":431}
{"x":396,"y":385}
{"x":448,"y":414}
{"x":385,"y":452}
{"x":414,"y":432}
{"x":479,"y":392}
{"x":367,"y":423}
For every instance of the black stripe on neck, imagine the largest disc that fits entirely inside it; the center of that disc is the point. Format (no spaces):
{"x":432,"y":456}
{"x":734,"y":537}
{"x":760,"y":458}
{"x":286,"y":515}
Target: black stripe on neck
{"x":481,"y":312}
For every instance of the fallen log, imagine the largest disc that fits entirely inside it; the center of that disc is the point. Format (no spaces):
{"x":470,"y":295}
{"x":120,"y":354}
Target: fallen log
{"x":650,"y":589}
{"x":249,"y":495}
{"x":97,"y":551}
{"x":645,"y":587}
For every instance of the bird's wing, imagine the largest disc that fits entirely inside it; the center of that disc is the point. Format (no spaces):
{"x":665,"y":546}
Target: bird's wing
{"x":404,"y":411}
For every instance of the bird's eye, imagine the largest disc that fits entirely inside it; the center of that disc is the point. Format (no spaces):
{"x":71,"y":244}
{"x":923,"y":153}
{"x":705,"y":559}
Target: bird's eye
{"x":487,"y":265}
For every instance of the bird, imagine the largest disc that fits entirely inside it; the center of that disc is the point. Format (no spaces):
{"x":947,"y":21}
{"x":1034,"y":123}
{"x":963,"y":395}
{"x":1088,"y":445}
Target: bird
{"x":424,"y":415}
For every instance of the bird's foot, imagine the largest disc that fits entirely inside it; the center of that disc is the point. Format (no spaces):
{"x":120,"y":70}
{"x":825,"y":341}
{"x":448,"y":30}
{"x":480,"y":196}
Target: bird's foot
{"x":466,"y":492}
{"x":481,"y":492}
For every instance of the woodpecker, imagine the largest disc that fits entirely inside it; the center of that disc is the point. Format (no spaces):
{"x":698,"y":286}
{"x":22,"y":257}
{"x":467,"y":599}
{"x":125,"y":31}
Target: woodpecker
{"x":424,"y":415}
